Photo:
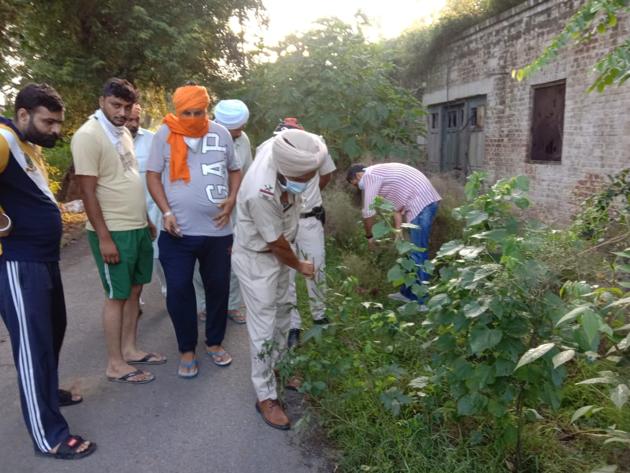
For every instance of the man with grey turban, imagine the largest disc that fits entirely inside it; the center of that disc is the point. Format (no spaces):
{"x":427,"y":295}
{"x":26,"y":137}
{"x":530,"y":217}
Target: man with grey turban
{"x":269,"y":204}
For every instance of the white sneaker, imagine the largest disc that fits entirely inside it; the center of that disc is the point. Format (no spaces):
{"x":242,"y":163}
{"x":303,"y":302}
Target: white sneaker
{"x":397,"y":296}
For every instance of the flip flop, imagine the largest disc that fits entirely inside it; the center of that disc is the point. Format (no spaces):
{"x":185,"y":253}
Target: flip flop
{"x":126,"y":378}
{"x":65,"y":398}
{"x":146,"y":360}
{"x":189,"y":365}
{"x":220,"y":353}
{"x":68,"y":449}
{"x":237,"y":317}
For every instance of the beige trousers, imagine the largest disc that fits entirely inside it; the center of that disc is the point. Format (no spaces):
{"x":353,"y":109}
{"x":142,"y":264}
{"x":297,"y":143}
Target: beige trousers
{"x":264,"y":283}
{"x":310,"y":245}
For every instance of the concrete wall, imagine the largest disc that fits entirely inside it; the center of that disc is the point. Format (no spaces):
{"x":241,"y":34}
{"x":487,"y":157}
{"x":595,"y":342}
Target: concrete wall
{"x":596,"y":139}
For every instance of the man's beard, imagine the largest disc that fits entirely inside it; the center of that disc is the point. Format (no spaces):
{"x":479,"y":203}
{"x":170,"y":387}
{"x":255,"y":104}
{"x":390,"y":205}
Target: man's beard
{"x":133,"y":131}
{"x":35,"y":136}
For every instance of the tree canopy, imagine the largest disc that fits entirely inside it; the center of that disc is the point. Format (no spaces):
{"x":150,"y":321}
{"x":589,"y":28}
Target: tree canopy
{"x":77,"y":44}
{"x":339,"y":86}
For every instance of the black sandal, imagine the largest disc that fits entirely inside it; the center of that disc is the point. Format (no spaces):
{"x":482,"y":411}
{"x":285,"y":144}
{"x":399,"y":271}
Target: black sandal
{"x":65,"y":398}
{"x":68,"y":449}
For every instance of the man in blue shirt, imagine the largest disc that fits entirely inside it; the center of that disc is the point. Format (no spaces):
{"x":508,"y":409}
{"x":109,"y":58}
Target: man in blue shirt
{"x":31,"y":292}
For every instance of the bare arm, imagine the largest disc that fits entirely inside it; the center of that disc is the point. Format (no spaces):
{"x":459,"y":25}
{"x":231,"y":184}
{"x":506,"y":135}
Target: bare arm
{"x":282,"y":250}
{"x":368,"y":223}
{"x":234,"y":179}
{"x":324,"y":180}
{"x":108,"y":249}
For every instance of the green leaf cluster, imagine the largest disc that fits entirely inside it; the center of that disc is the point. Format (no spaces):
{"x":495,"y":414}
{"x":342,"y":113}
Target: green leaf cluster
{"x":339,"y":86}
{"x":594,"y":17}
{"x":75,"y":45}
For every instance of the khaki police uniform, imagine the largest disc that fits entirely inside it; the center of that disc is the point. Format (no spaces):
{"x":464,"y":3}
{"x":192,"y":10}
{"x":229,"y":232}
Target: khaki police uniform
{"x":264,"y":281}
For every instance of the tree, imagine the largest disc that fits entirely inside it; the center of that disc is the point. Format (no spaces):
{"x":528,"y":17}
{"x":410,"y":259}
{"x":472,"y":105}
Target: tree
{"x":339,"y":86}
{"x":595,"y":17}
{"x":77,"y":44}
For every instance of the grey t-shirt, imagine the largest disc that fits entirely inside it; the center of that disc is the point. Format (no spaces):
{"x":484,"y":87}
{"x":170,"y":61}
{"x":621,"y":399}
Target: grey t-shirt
{"x":195,"y":204}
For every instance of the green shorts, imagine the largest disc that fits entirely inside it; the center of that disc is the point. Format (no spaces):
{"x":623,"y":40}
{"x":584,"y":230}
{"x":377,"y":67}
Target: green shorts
{"x":135,"y":266}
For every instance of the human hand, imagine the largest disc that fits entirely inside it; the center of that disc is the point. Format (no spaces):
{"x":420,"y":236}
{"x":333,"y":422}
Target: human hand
{"x":109,"y":252}
{"x":5,"y":224}
{"x":223,"y":218}
{"x":307,"y":269}
{"x":170,"y":225}
{"x":152,"y":230}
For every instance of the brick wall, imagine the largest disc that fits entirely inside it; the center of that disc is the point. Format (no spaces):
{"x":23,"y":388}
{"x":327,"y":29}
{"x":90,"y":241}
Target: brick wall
{"x":596,"y":139}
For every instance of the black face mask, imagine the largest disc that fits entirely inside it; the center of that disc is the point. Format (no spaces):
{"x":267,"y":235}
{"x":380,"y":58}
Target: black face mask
{"x":35,"y":136}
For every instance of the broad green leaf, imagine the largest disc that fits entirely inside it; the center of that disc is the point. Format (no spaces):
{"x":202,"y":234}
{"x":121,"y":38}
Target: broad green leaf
{"x":534,"y":413}
{"x":581,"y":412}
{"x":474,"y":309}
{"x":623,"y":268}
{"x":533,"y":354}
{"x":405,"y":246}
{"x":619,"y":395}
{"x":475,"y":217}
{"x":573,"y":314}
{"x":483,"y":338}
{"x":471,"y":252}
{"x":521,"y":202}
{"x":471,"y":404}
{"x":591,"y":323}
{"x":497,"y":235}
{"x":438,"y":301}
{"x":623,"y":254}
{"x":521,"y":183}
{"x":380,"y":229}
{"x":396,"y":275}
{"x":450,"y":248}
{"x":562,"y":357}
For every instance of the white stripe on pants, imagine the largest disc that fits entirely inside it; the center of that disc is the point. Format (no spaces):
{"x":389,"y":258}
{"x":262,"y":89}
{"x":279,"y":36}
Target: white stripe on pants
{"x":25,"y":361}
{"x":264,"y":285}
{"x":310,"y":245}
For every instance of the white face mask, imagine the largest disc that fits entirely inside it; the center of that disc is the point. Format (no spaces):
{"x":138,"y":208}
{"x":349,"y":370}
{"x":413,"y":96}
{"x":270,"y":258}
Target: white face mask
{"x":361,"y":184}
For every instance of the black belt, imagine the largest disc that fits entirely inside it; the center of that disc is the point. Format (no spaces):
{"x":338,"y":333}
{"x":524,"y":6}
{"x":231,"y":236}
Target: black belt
{"x":318,"y":212}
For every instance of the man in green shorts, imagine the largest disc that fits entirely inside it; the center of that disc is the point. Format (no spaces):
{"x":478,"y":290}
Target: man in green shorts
{"x":119,"y":231}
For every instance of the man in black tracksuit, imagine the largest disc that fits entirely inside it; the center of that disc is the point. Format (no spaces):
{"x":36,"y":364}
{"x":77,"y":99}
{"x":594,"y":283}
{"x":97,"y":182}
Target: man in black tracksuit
{"x":31,"y":293}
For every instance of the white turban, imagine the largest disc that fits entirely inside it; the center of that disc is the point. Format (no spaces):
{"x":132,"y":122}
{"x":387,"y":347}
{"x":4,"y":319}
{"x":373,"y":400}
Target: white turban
{"x":232,"y":114}
{"x":297,"y":152}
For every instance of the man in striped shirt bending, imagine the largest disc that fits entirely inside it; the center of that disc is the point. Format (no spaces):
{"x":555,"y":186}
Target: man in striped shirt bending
{"x":413,"y":197}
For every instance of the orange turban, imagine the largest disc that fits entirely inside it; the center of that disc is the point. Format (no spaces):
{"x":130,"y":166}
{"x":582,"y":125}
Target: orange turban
{"x":185,"y":98}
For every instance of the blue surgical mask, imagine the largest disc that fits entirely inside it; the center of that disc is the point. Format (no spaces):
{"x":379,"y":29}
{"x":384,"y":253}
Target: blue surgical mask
{"x":295,"y":187}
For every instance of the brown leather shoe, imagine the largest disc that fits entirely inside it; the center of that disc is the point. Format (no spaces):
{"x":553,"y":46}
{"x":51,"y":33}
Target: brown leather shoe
{"x":273,"y":414}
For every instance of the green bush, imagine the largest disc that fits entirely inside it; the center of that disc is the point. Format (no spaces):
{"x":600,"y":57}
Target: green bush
{"x":57,"y":160}
{"x":454,"y":389}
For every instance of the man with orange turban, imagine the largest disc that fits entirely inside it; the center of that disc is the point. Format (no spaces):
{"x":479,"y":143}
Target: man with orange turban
{"x":196,"y":198}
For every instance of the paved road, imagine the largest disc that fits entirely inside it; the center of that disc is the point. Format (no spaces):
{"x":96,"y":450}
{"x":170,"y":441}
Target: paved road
{"x":207,"y":424}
